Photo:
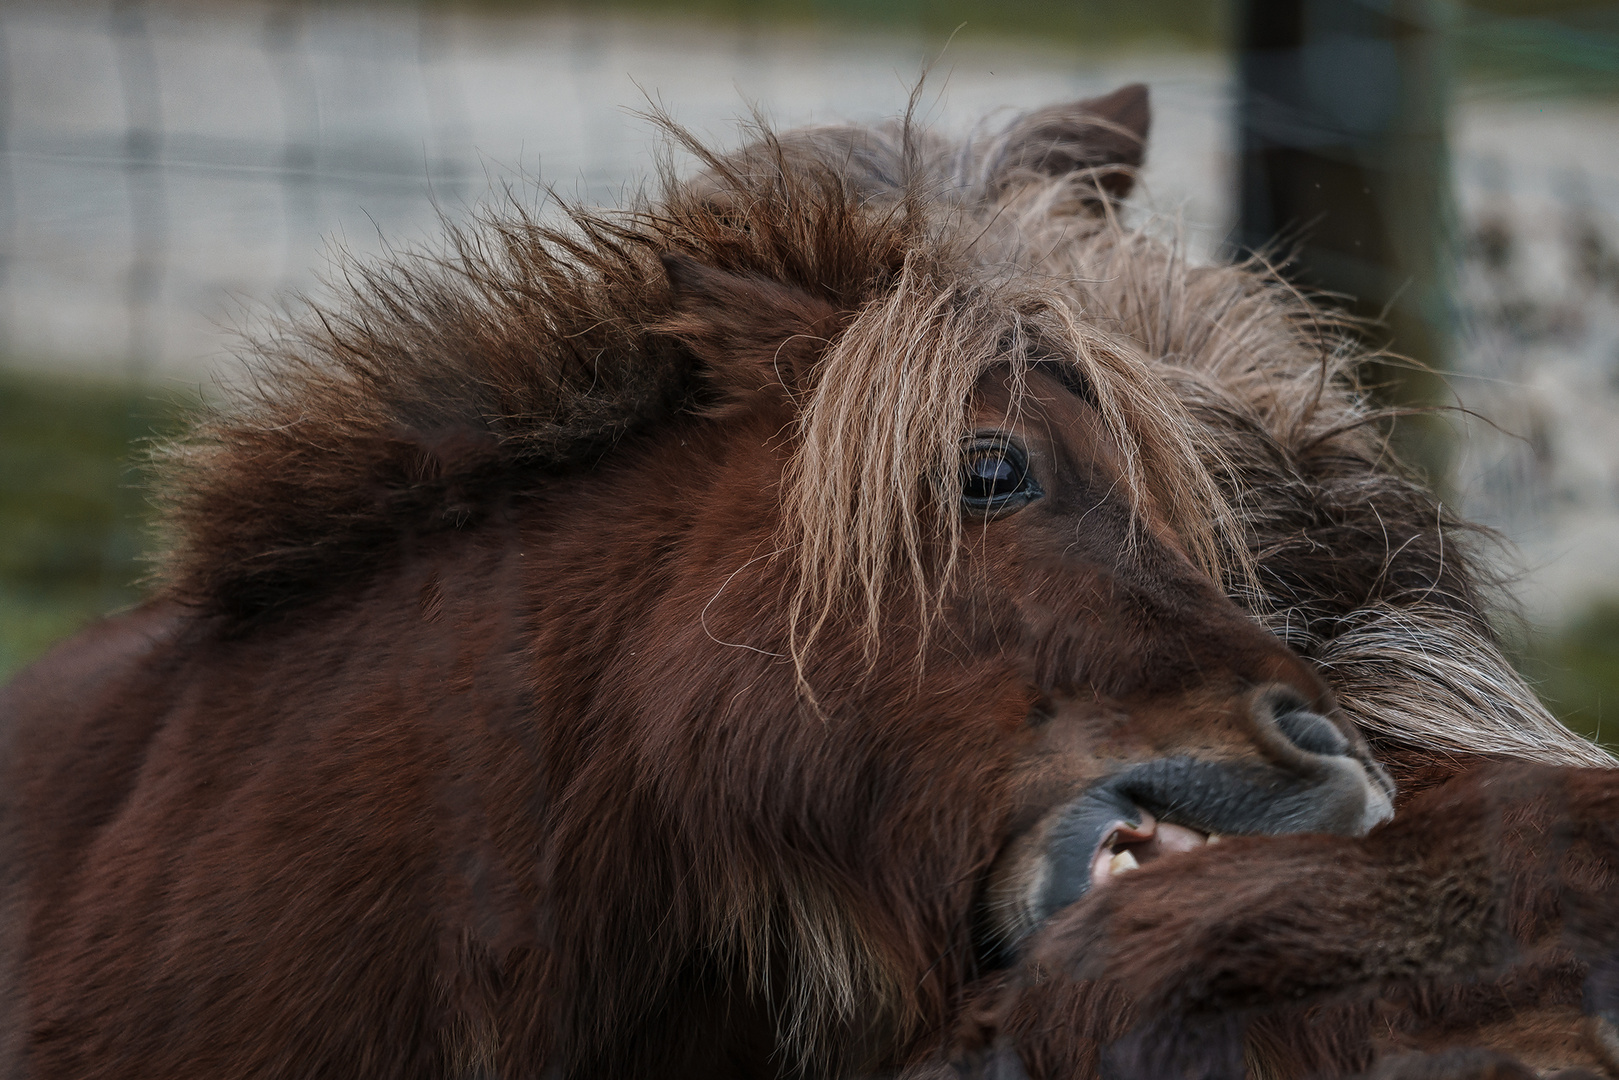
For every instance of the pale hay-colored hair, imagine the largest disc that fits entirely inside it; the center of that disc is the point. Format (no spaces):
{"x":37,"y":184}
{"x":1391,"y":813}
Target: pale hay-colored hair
{"x":874,"y":482}
{"x":1266,"y":376}
{"x":1217,"y":383}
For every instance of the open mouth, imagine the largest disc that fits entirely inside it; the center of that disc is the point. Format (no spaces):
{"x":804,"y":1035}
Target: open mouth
{"x":1128,"y":845}
{"x":1107,"y":830}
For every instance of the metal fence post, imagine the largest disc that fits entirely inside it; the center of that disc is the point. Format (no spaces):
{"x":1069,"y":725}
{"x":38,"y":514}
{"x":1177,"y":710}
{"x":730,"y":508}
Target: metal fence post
{"x":1344,"y":174}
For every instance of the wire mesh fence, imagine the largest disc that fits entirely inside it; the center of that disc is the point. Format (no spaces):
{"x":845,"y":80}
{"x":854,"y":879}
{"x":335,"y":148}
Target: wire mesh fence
{"x":163,"y":164}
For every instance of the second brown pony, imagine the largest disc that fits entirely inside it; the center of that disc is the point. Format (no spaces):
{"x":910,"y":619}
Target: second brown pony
{"x":735,"y":636}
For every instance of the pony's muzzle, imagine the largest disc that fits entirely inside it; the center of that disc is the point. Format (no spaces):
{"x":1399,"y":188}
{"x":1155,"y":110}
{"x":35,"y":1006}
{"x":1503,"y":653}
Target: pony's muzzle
{"x":1309,"y":776}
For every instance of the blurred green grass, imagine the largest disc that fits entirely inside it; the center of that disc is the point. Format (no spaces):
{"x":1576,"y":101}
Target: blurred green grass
{"x":1072,"y":24}
{"x":1555,"y":46}
{"x":1575,"y":669}
{"x":74,"y":520}
{"x":1540,"y":47}
{"x":73,"y":517}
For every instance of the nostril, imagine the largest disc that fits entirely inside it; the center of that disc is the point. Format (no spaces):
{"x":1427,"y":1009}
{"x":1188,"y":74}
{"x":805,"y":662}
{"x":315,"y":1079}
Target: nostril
{"x":1312,"y":733}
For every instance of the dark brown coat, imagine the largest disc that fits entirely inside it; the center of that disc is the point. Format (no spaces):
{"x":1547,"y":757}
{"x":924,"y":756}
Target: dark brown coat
{"x":581,"y":651}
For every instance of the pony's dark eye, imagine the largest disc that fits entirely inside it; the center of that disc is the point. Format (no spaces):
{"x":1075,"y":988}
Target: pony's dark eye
{"x":991,"y":473}
{"x":995,"y":477}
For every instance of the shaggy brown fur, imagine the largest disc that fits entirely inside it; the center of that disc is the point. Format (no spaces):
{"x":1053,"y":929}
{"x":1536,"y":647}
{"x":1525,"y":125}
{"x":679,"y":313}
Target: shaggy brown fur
{"x":572,"y":656}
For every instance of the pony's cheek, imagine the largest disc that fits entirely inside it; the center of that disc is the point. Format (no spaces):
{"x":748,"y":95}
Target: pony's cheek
{"x":1013,"y":895}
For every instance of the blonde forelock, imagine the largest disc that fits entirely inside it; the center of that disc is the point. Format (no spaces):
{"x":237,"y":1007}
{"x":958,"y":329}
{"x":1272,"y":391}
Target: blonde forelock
{"x":872,"y":490}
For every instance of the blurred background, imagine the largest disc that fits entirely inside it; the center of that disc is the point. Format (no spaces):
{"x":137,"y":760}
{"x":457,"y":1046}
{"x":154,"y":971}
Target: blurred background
{"x":170,"y":170}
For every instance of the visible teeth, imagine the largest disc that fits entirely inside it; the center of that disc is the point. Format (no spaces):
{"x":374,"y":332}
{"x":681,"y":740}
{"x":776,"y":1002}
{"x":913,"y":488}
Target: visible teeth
{"x":1122,"y":862}
{"x":1214,"y":838}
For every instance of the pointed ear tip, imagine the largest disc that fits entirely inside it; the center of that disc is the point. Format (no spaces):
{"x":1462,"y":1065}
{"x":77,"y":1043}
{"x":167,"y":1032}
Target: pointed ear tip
{"x":673,"y":262}
{"x":1131,"y":102}
{"x":1130,"y":105}
{"x":682,"y":271}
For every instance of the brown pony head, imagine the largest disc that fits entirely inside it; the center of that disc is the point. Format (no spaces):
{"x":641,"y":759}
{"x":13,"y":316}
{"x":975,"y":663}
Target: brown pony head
{"x":811,"y":580}
{"x":985,"y":513}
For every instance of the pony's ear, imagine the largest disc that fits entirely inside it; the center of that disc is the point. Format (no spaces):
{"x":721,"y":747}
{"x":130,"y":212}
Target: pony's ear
{"x":750,"y":333}
{"x":1100,"y":142}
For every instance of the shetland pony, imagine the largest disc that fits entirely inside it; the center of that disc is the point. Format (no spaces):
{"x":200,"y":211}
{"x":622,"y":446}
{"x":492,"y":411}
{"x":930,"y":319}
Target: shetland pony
{"x":816,"y":622}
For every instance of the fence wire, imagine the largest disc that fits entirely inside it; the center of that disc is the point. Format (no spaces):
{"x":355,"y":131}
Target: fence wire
{"x":163,"y":168}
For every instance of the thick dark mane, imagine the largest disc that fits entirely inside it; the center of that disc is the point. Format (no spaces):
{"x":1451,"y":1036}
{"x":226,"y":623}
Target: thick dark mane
{"x":438,"y":383}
